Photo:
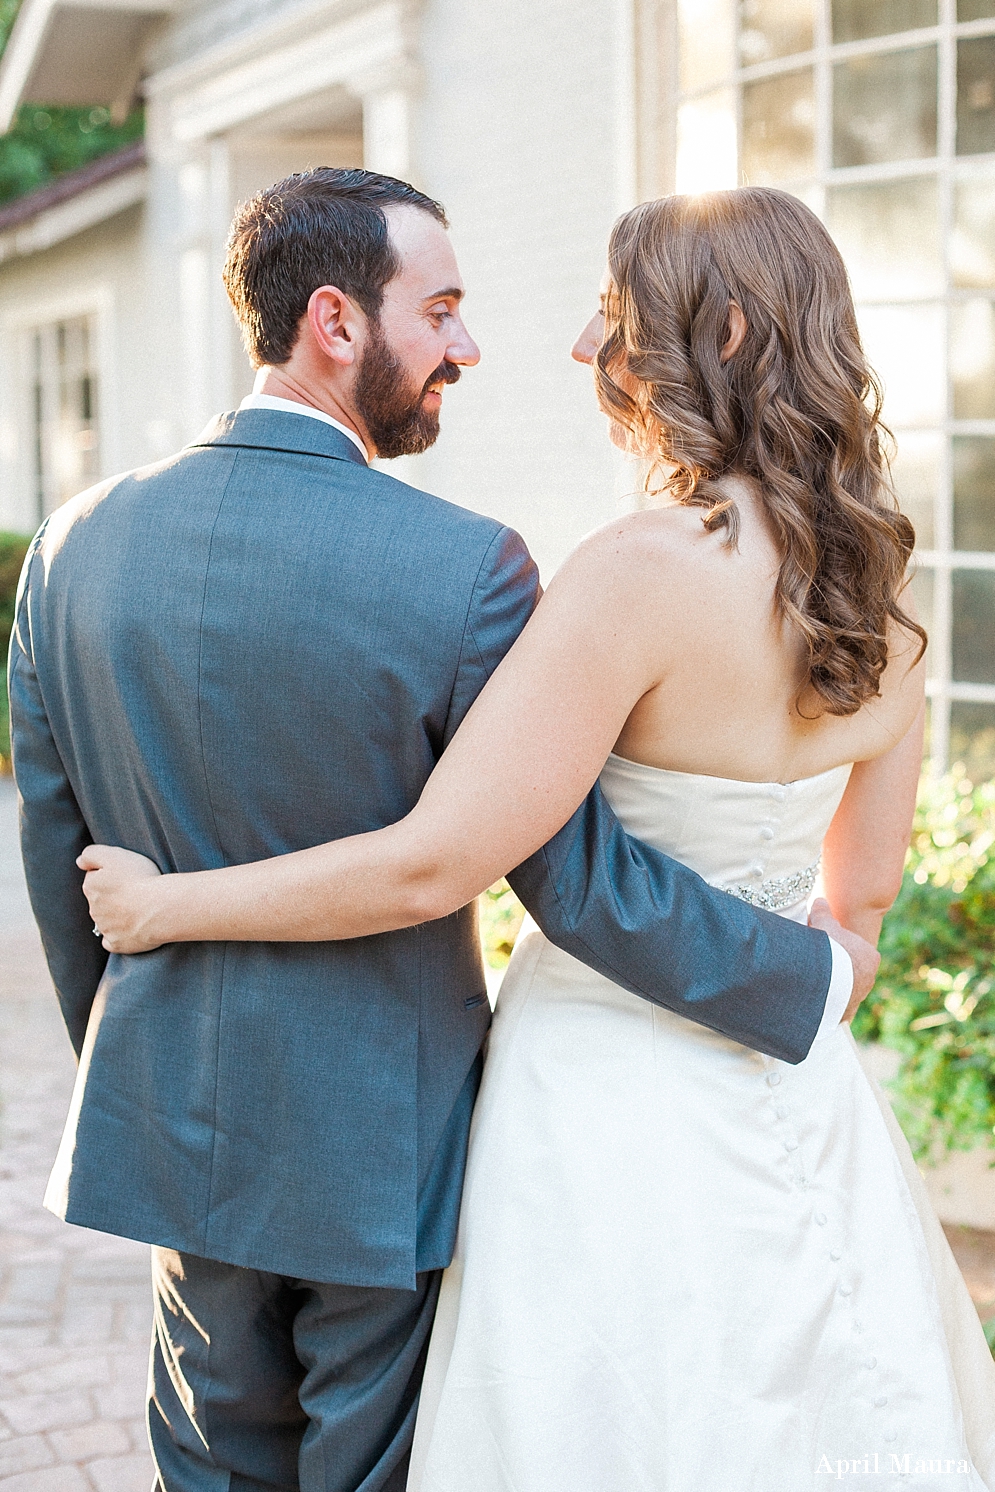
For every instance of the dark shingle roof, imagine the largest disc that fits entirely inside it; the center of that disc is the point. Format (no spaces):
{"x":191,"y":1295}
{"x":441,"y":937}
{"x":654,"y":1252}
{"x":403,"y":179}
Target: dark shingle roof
{"x":23,"y":209}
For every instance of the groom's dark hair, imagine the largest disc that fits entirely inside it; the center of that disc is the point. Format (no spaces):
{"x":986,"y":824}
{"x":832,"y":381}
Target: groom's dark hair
{"x":325,"y":226}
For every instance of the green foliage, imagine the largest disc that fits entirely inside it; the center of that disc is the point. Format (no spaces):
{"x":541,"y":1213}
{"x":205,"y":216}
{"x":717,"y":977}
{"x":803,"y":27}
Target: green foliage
{"x":934,"y":1001}
{"x":13,"y":548}
{"x":8,"y":15}
{"x":501,"y":916}
{"x":44,"y":143}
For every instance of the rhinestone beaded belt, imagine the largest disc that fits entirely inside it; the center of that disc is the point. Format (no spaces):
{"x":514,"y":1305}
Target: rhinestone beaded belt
{"x":779,"y":891}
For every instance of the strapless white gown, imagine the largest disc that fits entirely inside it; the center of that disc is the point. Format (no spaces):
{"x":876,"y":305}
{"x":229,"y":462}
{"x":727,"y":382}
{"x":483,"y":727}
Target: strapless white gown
{"x":683,"y":1266}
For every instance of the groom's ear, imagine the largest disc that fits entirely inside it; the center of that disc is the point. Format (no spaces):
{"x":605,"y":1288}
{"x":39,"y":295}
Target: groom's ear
{"x":337,"y":325}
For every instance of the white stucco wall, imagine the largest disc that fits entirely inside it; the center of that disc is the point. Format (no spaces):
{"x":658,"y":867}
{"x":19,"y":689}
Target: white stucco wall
{"x":523,"y":131}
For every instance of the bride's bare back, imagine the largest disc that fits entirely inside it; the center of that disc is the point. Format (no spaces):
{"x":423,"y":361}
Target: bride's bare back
{"x":733,"y":700}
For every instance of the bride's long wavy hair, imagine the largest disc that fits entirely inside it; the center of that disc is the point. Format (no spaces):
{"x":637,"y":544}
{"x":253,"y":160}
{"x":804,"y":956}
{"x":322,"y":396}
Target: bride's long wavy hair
{"x":796,"y":409}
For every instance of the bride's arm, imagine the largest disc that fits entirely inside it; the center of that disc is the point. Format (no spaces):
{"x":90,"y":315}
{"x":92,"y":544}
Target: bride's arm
{"x":524,"y":758}
{"x":863,"y":854}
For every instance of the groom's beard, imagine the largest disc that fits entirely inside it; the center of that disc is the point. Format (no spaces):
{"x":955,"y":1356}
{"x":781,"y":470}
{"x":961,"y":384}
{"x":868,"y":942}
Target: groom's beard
{"x":390,"y":408}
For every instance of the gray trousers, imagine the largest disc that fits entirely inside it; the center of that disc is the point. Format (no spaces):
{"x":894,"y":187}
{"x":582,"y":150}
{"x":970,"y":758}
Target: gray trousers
{"x":260,"y":1383}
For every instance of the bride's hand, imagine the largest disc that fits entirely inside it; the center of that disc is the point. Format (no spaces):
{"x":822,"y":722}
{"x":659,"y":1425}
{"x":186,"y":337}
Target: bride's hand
{"x":863,"y":955}
{"x":120,"y":887}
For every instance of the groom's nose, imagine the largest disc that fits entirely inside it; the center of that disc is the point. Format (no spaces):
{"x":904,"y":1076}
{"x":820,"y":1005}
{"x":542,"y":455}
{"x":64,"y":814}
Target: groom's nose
{"x":463,"y":349}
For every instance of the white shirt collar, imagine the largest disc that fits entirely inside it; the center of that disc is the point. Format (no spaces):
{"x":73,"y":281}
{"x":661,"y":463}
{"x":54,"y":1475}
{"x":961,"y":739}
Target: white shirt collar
{"x":291,"y":406}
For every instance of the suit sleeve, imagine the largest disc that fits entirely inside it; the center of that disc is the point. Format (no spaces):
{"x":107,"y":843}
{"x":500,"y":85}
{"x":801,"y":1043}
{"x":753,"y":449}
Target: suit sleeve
{"x":504,"y":596}
{"x":53,"y":831}
{"x":642,"y":919}
{"x":657,"y":929}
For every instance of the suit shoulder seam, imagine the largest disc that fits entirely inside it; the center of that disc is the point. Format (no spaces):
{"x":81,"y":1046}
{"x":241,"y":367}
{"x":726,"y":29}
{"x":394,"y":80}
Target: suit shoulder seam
{"x":467,"y":620}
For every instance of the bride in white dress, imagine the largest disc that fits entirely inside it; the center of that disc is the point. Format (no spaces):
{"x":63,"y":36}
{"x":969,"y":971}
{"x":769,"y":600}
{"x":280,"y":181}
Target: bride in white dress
{"x":682,"y":1266}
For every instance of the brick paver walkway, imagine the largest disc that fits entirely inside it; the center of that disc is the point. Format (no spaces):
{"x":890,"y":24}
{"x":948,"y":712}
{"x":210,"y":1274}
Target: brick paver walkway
{"x":75,"y":1306}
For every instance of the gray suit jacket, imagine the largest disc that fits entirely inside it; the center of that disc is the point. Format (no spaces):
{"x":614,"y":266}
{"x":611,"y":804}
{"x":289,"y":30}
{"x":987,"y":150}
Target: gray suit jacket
{"x":256,"y":646}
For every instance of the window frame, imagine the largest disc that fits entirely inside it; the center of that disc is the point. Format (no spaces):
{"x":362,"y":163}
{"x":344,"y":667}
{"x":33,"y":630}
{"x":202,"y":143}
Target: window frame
{"x":941,"y":558}
{"x":97,"y":304}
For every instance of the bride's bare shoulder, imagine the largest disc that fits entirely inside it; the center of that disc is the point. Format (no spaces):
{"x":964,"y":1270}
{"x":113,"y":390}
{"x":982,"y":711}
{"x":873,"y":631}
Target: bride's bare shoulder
{"x":665,"y":542}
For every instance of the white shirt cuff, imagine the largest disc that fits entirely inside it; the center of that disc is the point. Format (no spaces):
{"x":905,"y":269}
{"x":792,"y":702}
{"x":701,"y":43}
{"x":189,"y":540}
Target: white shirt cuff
{"x":840,"y":990}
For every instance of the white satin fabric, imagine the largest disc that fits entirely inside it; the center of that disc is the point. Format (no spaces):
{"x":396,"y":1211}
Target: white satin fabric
{"x":683,"y":1266}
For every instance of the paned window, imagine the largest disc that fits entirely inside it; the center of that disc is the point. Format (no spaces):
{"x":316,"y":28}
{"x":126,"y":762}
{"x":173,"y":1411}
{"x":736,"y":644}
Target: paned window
{"x":65,"y":442}
{"x":880,"y":114}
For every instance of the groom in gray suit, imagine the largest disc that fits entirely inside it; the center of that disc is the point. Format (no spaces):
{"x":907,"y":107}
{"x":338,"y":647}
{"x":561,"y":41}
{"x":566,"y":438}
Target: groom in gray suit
{"x":259,"y":645}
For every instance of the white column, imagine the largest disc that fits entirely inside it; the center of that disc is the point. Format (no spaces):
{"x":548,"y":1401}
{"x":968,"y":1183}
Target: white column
{"x":223,"y":332}
{"x":656,"y":69}
{"x":205,"y":330}
{"x":387,"y":145}
{"x":626,"y":111}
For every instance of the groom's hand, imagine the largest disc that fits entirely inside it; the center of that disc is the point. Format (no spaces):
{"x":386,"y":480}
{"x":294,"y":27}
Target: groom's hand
{"x":863,"y":956}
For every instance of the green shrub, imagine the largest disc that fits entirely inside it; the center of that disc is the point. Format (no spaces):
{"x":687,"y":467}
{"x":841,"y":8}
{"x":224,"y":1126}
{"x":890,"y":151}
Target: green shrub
{"x":13,"y":548}
{"x":934,"y":1000}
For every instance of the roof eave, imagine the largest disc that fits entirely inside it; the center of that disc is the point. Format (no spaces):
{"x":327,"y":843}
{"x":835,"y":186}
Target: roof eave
{"x":35,"y":38}
{"x":73,"y":203}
